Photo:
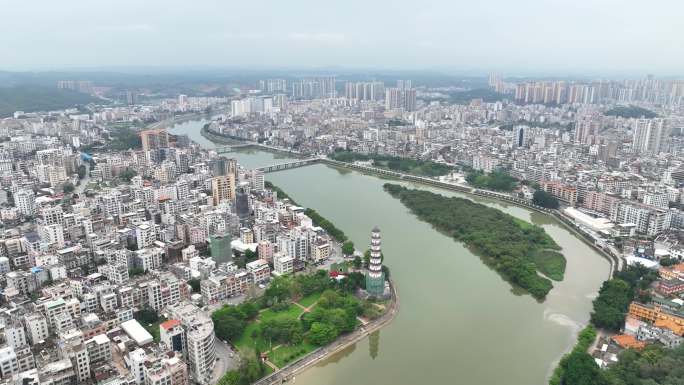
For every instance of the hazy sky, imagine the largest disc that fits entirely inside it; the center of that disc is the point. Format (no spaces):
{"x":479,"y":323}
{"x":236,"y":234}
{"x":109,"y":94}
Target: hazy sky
{"x":514,"y":36}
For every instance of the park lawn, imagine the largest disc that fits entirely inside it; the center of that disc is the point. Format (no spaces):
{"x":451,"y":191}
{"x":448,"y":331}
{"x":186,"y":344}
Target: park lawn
{"x":293,"y":310}
{"x":310,"y":299}
{"x":550,"y":263}
{"x":246,"y":342}
{"x":286,"y":354}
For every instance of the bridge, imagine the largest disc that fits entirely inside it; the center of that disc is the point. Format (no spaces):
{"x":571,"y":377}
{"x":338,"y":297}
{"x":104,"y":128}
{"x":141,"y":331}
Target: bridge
{"x":289,"y":165}
{"x":229,"y":148}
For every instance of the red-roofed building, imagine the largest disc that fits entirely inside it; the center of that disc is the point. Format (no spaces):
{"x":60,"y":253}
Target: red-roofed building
{"x":172,"y":335}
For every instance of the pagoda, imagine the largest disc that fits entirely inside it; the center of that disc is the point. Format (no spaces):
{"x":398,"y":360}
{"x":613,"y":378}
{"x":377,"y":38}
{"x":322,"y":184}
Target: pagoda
{"x":375,"y":277}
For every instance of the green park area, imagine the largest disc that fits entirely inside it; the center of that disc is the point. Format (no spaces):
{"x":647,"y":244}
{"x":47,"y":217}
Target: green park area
{"x":496,"y":180}
{"x":296,"y":315}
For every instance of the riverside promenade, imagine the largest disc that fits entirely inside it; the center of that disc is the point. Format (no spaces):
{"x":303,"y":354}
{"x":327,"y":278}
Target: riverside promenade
{"x":289,"y":371}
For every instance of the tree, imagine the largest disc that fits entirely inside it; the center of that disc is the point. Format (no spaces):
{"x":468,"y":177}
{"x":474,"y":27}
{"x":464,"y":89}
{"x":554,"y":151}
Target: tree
{"x":68,"y":187}
{"x":544,"y":199}
{"x":348,"y":248}
{"x":146,"y":316}
{"x":228,"y":327}
{"x":611,"y":304}
{"x":135,"y":271}
{"x":496,"y":180}
{"x":322,"y":334}
{"x":128,"y":174}
{"x":81,"y":171}
{"x":251,"y":255}
{"x":195,"y":285}
{"x":284,"y":329}
{"x":357,"y":262}
{"x":581,"y":369}
{"x":668,"y":261}
{"x":278,"y":290}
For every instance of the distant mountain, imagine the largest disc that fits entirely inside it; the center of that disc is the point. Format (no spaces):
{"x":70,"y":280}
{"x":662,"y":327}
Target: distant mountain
{"x":40,"y":98}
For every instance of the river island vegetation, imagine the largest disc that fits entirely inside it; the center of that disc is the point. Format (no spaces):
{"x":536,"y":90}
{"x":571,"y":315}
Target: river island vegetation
{"x":515,"y":249}
{"x":394,"y":163}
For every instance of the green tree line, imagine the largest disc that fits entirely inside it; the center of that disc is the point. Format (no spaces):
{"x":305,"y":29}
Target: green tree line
{"x":497,"y":180}
{"x":503,"y":242}
{"x":395,"y":163}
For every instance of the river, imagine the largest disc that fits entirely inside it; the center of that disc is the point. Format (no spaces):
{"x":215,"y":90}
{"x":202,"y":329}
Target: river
{"x":459,"y":322}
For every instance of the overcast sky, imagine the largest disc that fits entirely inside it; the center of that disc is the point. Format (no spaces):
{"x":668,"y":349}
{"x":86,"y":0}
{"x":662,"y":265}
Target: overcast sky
{"x":512,"y":36}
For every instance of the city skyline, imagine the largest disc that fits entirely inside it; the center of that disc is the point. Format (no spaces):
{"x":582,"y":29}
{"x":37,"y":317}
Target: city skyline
{"x":533,"y":36}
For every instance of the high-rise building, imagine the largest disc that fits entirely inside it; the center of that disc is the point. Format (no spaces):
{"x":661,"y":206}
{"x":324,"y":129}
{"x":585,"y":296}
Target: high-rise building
{"x":400,"y":97}
{"x":257,"y":181}
{"x":520,"y":136}
{"x":375,"y":277}
{"x":200,"y":341}
{"x":404,"y":84}
{"x":393,"y":98}
{"x":220,"y":249}
{"x":154,"y":139}
{"x":650,"y":136}
{"x":182,"y":101}
{"x":222,"y":188}
{"x":409,"y":97}
{"x":25,"y":201}
{"x":224,"y":166}
{"x":314,"y":88}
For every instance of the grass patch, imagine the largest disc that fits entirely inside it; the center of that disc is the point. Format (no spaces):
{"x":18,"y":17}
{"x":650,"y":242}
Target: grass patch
{"x":246,"y":342}
{"x":286,"y":354}
{"x":310,"y":299}
{"x":153,"y":329}
{"x":550,"y":263}
{"x":293,"y":310}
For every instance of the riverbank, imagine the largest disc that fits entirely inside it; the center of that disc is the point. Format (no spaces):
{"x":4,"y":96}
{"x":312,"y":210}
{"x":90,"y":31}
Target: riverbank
{"x":614,"y":260}
{"x":232,"y":140}
{"x":176,"y":119}
{"x":289,"y":371}
{"x":615,"y":263}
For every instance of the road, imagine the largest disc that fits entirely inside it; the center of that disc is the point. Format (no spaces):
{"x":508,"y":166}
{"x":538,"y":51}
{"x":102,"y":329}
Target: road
{"x":83,"y":182}
{"x":224,"y":361}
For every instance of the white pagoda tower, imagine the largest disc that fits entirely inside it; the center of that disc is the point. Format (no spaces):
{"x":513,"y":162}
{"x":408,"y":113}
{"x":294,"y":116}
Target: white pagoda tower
{"x":375,"y":278}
